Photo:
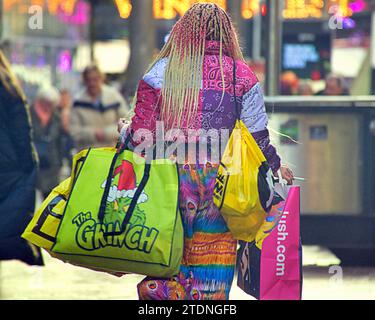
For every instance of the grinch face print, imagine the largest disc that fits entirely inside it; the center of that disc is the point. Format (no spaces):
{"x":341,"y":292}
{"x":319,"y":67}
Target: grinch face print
{"x":94,"y":235}
{"x":121,"y":194}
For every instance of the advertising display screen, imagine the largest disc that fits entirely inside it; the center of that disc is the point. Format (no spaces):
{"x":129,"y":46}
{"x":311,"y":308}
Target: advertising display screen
{"x":307,"y":54}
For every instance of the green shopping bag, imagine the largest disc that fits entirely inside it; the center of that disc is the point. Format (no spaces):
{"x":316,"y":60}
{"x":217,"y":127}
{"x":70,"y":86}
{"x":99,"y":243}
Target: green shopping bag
{"x":125,"y":219}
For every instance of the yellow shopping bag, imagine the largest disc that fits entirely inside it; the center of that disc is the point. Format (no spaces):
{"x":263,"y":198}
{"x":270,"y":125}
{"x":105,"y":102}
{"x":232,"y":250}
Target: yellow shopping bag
{"x":244,"y":185}
{"x":42,"y":229}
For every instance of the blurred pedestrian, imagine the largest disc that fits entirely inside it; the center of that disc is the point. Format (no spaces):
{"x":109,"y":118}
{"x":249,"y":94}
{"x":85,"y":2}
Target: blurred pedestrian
{"x":305,"y":89}
{"x":65,"y":107}
{"x":96,"y":110}
{"x":167,"y":93}
{"x":48,"y":133}
{"x":334,"y":86}
{"x":18,"y":169}
{"x":289,"y":83}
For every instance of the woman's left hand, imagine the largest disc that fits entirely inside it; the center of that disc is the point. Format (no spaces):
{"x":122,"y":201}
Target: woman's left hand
{"x":122,"y":123}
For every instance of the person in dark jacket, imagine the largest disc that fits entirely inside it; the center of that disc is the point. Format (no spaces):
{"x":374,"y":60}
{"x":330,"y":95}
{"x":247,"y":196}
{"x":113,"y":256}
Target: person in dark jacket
{"x":18,"y":167}
{"x":48,"y":137}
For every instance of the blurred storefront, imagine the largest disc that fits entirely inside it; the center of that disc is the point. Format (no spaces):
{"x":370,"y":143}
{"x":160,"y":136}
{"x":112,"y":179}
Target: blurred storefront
{"x":318,"y":37}
{"x":46,"y":41}
{"x":333,"y":39}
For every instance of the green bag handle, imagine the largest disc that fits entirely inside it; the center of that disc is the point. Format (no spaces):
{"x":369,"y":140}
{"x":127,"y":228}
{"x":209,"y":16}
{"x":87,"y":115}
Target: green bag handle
{"x":103,"y":203}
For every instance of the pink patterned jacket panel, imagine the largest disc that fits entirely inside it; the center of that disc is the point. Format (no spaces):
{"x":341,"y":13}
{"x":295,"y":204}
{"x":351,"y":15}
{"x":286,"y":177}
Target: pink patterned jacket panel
{"x":211,"y":113}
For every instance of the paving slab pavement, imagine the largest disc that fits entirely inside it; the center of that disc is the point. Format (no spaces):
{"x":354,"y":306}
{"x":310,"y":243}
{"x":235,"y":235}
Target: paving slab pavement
{"x":58,"y":280}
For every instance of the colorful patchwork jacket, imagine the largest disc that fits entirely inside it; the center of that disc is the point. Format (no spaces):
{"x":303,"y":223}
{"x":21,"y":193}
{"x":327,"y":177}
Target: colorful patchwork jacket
{"x":211,"y":115}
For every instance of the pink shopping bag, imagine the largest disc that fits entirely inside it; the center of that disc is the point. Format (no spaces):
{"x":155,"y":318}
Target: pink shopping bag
{"x":270,"y":268}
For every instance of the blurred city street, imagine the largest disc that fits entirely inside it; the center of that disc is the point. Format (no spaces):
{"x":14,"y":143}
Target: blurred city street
{"x":59,"y":281}
{"x":162,"y":79}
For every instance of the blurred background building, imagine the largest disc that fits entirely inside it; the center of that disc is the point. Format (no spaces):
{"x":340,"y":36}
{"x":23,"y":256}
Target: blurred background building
{"x":51,"y":54}
{"x":316,"y":38}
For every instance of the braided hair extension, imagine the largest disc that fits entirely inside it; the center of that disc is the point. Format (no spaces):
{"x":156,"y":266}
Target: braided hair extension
{"x":8,"y":79}
{"x":185,"y":51}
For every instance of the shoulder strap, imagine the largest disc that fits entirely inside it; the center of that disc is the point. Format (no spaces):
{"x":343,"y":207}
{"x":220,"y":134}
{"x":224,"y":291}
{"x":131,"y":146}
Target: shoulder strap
{"x":237,"y":106}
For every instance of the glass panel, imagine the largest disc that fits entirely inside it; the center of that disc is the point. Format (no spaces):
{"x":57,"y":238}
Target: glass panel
{"x":324,"y":149}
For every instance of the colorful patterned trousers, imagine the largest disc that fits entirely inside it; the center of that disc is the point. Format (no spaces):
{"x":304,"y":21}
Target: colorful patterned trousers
{"x":209,"y":257}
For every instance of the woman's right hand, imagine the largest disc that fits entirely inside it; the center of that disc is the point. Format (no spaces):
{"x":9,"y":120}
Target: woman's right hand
{"x":287,"y":174}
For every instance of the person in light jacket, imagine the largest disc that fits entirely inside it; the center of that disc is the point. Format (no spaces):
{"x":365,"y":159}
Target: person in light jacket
{"x":95,"y":112}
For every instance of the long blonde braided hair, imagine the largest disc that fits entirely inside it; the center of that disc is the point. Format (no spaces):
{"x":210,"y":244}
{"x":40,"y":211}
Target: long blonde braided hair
{"x":185,"y":51}
{"x":8,"y":79}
